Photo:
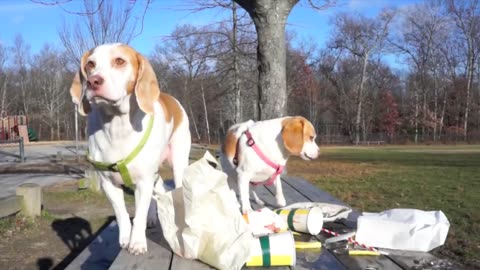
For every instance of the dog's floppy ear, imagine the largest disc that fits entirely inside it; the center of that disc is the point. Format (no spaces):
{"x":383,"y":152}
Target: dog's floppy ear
{"x":77,"y":90}
{"x":292,"y":134}
{"x":146,"y":86}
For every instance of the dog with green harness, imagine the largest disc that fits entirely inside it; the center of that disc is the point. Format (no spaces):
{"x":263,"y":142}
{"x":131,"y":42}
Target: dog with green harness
{"x":132,"y":129}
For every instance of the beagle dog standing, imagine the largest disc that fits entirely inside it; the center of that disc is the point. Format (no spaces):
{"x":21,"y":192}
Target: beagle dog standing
{"x":132,"y":130}
{"x":256,"y":153}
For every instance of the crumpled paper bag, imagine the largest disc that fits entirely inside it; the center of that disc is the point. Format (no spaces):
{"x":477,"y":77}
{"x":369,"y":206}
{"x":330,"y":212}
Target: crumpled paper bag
{"x":331,"y":212}
{"x":403,"y":229}
{"x":201,"y":220}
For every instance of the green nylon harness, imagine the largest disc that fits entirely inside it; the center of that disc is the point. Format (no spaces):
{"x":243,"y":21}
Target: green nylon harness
{"x":121,"y":165}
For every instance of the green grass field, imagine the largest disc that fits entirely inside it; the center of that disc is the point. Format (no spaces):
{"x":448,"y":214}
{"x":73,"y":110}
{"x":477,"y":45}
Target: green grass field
{"x":374,"y":179}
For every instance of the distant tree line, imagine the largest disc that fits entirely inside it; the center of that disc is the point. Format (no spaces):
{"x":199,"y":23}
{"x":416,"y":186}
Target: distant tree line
{"x":349,"y":87}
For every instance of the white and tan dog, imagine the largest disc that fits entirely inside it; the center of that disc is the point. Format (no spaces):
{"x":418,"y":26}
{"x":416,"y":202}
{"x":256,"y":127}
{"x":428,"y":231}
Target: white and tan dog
{"x":128,"y":118}
{"x":256,"y":153}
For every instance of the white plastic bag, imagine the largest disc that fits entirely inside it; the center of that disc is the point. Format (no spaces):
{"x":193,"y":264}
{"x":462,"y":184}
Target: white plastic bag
{"x":202,"y":219}
{"x":403,"y":229}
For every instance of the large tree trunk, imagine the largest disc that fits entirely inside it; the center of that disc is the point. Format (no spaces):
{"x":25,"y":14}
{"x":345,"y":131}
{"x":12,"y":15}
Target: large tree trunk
{"x":416,"y":115}
{"x":435,"y":107}
{"x":236,"y":79}
{"x":442,"y":116}
{"x":205,"y":111}
{"x":58,"y":127}
{"x":470,"y":69}
{"x":424,"y":114}
{"x":270,"y":17}
{"x":194,"y":122}
{"x":358,"y":119}
{"x":4,"y":95}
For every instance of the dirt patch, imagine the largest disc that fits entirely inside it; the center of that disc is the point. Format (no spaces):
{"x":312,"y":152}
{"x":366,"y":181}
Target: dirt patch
{"x":70,"y":221}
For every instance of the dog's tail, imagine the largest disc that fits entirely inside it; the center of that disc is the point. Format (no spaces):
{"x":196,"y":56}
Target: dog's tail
{"x":230,"y":147}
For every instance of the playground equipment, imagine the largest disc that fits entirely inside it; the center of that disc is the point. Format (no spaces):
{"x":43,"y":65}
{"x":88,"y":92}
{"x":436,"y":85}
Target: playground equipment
{"x":10,"y":126}
{"x":13,"y":129}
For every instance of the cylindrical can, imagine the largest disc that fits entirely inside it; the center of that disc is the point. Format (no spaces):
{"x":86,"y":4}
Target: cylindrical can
{"x":276,"y":249}
{"x":306,"y":220}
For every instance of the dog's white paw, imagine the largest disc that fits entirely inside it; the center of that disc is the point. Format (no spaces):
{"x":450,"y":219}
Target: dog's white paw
{"x":281,"y":202}
{"x":246,"y":209}
{"x":124,"y":241}
{"x":138,"y":246}
{"x":259,"y":202}
{"x":125,"y":228}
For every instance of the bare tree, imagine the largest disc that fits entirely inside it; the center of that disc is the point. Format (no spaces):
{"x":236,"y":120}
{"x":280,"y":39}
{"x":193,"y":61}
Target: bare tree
{"x":48,"y":72}
{"x":449,"y":73}
{"x":466,"y":14}
{"x":3,"y":78}
{"x":424,"y":28}
{"x":361,"y":37}
{"x":21,"y":53}
{"x":188,"y":52}
{"x":99,"y":22}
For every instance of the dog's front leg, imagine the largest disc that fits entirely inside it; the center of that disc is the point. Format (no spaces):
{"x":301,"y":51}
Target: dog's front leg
{"x":243,"y":188}
{"x":280,"y":198}
{"x":257,"y":199}
{"x":152,"y":216}
{"x":143,"y":196}
{"x":115,"y":196}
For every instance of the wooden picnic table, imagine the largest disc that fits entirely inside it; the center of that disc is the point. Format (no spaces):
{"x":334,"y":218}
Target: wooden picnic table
{"x":104,"y":252}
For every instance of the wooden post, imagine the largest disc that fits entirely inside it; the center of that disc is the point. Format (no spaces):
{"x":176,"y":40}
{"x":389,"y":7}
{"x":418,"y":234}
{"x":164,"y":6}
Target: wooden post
{"x":31,"y":203}
{"x":22,"y":150}
{"x":90,"y":181}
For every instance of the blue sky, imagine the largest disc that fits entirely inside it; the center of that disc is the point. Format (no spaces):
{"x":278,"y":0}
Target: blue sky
{"x":38,"y":24}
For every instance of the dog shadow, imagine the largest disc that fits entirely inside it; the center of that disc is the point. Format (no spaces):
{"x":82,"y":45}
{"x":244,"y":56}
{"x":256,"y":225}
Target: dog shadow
{"x":45,"y":263}
{"x":75,"y":232}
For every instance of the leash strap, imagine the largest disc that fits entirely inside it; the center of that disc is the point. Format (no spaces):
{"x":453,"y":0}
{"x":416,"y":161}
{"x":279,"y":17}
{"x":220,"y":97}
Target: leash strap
{"x":278,"y":168}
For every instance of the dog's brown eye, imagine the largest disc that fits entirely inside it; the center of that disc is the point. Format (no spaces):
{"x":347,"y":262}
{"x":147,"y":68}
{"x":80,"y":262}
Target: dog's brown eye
{"x":90,"y":64}
{"x":312,"y":138}
{"x":119,"y":61}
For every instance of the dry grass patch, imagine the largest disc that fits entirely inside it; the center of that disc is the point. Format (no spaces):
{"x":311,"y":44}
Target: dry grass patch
{"x":322,"y":168}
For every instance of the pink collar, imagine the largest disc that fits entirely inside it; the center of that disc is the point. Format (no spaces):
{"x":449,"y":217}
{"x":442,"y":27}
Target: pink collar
{"x":278,"y":168}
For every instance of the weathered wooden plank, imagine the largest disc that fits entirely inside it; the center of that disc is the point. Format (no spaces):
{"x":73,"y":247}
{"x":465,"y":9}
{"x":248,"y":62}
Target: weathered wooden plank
{"x":315,"y":194}
{"x":322,"y":260}
{"x":264,"y":195}
{"x":311,"y":192}
{"x":291,"y":195}
{"x":179,"y":263}
{"x":101,"y":252}
{"x":159,"y":255}
{"x":410,"y":259}
{"x":367,"y":262}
